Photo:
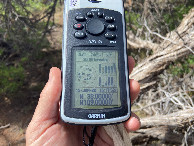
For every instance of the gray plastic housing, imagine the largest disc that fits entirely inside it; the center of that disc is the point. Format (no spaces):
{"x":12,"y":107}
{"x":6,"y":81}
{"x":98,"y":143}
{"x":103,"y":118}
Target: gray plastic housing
{"x":116,"y":5}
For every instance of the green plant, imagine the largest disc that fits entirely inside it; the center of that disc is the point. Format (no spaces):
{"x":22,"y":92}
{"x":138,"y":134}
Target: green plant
{"x":1,"y":51}
{"x":24,"y":59}
{"x":132,"y":17}
{"x":174,"y":18}
{"x":12,"y":79}
{"x":181,"y":67}
{"x":26,"y":23}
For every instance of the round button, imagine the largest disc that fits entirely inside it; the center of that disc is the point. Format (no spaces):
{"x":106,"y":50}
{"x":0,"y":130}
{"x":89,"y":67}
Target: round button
{"x":110,"y":35}
{"x":109,"y":19}
{"x":111,"y":27}
{"x":100,"y":14}
{"x":80,"y":35}
{"x":80,"y":18}
{"x":78,"y":26}
{"x":90,"y":14}
{"x":95,"y":27}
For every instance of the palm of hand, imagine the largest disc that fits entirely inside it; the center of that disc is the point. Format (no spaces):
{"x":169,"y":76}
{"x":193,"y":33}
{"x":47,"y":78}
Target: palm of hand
{"x":46,"y":128}
{"x":69,"y":135}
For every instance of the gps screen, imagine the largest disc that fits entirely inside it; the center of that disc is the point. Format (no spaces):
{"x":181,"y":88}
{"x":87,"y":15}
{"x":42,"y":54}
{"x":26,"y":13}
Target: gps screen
{"x":95,"y":79}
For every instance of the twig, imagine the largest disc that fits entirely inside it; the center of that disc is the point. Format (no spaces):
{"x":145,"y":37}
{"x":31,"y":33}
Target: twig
{"x":6,"y":126}
{"x":189,"y":132}
{"x":164,"y":38}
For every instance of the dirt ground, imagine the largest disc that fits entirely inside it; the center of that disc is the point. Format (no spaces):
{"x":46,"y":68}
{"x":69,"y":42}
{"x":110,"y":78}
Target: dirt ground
{"x":18,"y":111}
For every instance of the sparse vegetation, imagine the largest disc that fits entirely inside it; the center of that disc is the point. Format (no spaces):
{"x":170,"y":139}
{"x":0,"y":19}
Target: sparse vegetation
{"x":23,"y":25}
{"x":12,"y":79}
{"x":174,"y":16}
{"x":182,"y":67}
{"x":26,"y":56}
{"x":152,"y":29}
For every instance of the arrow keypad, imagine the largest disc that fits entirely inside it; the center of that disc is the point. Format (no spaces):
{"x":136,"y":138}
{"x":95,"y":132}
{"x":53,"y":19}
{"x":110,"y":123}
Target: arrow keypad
{"x":95,"y":24}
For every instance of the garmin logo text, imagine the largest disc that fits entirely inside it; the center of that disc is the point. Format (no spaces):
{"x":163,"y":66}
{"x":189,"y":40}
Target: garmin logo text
{"x":96,"y":116}
{"x":94,"y":1}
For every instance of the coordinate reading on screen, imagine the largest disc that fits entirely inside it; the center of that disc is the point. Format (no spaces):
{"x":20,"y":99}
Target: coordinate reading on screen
{"x":95,"y":79}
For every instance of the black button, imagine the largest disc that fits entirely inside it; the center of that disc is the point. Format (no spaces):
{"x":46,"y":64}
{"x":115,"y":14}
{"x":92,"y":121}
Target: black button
{"x":78,"y":26}
{"x":111,"y":27}
{"x":80,"y":34}
{"x":95,"y":27}
{"x":100,"y":14}
{"x":90,"y":14}
{"x":80,"y":18}
{"x":110,"y":35}
{"x":109,"y":19}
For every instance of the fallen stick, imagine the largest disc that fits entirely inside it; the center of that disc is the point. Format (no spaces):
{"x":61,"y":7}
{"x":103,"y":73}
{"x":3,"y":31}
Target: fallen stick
{"x":6,"y":126}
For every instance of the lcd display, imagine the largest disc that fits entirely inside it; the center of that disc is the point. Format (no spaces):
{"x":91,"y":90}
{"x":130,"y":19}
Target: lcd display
{"x":95,"y":79}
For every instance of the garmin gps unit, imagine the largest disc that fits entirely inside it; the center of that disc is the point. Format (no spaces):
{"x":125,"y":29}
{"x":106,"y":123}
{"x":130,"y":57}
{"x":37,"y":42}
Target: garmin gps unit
{"x":95,"y":84}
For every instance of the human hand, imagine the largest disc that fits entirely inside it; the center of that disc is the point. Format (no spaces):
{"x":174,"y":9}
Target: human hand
{"x":46,"y":127}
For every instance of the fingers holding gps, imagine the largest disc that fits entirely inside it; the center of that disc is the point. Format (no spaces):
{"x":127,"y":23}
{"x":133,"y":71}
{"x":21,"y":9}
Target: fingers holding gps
{"x":134,"y":90}
{"x":131,"y":63}
{"x":133,"y":123}
{"x":134,"y":85}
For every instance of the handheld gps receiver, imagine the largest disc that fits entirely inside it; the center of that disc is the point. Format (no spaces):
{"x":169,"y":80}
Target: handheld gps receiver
{"x":95,"y":88}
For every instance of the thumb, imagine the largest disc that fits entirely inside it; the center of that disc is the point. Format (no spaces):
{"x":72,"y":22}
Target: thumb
{"x":48,"y":105}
